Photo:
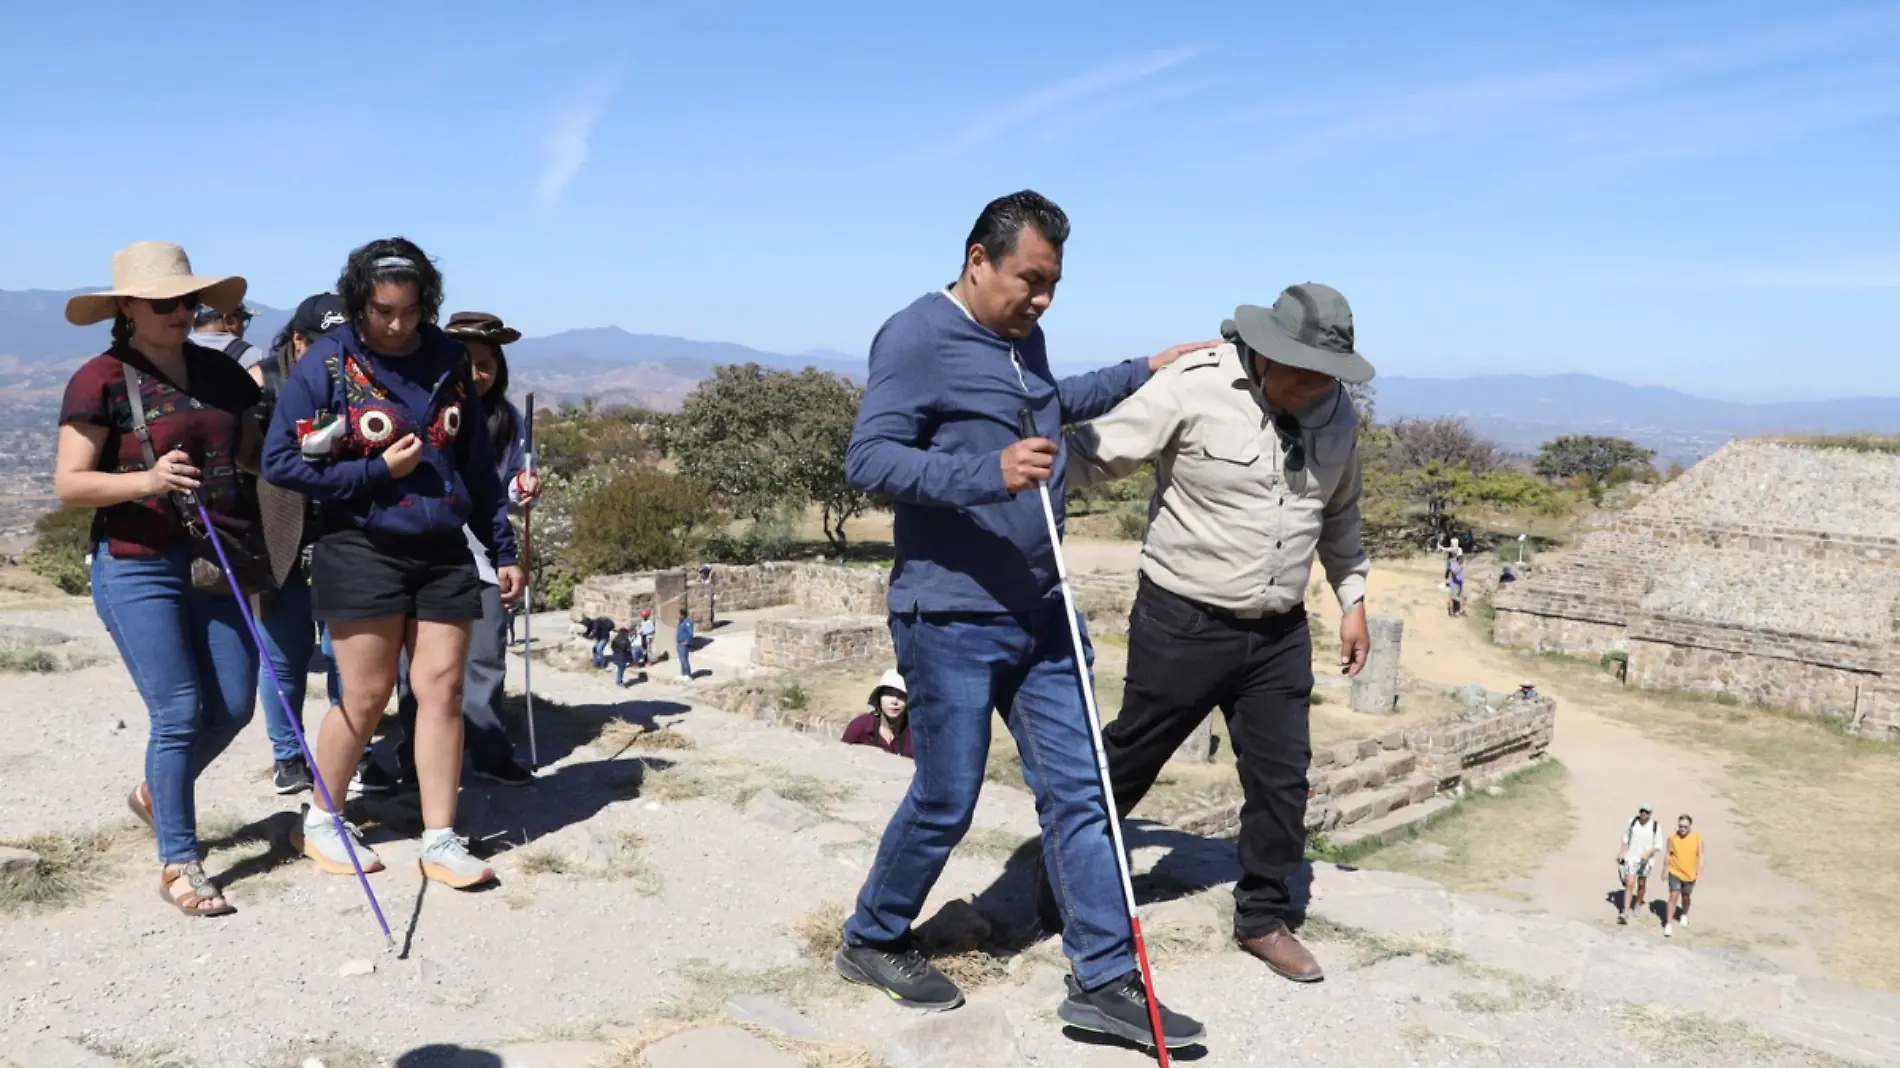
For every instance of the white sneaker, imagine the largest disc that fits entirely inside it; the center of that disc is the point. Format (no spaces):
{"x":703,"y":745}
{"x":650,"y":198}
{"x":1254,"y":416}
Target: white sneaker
{"x":1683,"y":920}
{"x":320,"y":842}
{"x":447,"y":860}
{"x":1668,"y":931}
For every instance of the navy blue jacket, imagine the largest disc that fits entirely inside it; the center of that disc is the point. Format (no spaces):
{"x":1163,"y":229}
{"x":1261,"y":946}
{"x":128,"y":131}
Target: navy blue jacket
{"x":939,"y":409}
{"x":429,"y":393}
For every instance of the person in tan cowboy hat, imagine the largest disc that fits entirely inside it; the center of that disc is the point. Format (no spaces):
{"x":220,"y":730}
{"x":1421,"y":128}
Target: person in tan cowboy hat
{"x":185,"y":647}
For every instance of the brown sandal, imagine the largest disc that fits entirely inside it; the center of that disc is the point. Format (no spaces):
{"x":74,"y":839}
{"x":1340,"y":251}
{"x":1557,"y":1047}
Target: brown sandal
{"x":140,"y":802}
{"x":202,"y":890}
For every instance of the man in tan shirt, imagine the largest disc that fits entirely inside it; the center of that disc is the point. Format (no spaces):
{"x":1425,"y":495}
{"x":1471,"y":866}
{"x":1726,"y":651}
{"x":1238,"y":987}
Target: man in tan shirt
{"x":1257,"y":474}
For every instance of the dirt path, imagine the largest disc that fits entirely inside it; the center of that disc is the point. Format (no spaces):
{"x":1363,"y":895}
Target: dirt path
{"x":1614,"y":768}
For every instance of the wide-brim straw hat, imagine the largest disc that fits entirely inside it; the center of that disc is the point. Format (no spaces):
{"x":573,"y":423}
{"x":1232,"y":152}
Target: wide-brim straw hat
{"x":153,"y":270}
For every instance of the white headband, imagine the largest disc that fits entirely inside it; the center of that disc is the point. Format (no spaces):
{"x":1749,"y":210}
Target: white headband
{"x":395,"y":261}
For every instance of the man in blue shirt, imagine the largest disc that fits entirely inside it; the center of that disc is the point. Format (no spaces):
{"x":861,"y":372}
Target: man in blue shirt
{"x":976,"y":613}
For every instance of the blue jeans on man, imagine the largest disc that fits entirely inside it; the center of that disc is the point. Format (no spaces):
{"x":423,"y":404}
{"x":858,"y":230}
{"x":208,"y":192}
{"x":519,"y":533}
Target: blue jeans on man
{"x":959,"y":668}
{"x":195,"y":668}
{"x":600,"y":651}
{"x":290,"y":640}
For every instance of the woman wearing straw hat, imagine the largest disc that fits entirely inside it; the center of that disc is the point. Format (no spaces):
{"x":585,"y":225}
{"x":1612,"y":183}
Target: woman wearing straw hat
{"x":381,"y":423}
{"x":185,"y":647}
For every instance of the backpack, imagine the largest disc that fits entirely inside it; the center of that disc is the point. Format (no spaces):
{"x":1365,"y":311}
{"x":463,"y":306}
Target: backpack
{"x":238,"y":349}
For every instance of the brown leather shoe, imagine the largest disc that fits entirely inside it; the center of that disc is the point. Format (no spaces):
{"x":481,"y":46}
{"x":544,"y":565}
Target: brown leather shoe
{"x":1282,"y":952}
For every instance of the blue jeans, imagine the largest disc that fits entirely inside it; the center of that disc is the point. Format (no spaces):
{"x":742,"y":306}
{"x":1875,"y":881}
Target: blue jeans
{"x":332,"y":678}
{"x":958,"y":669}
{"x":620,"y":672}
{"x":195,"y":668}
{"x":290,"y":637}
{"x":686,"y":661}
{"x":600,"y":652}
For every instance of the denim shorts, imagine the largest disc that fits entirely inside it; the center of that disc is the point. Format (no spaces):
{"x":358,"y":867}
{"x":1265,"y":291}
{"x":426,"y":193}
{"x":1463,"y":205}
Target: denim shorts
{"x":357,"y":576}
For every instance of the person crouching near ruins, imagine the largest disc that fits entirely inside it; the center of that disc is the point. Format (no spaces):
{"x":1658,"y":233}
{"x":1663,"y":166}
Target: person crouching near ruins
{"x":142,"y":468}
{"x":1685,"y":869}
{"x":382,"y":424}
{"x":1259,"y":476}
{"x":1636,"y":859}
{"x":887,"y":724}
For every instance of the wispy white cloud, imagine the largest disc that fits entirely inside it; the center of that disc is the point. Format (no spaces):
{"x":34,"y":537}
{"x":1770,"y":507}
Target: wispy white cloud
{"x":1127,"y":75}
{"x":1688,"y":100}
{"x":569,"y":140}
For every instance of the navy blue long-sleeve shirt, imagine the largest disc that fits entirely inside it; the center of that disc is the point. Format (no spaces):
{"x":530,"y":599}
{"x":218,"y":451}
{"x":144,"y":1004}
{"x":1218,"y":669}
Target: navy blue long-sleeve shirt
{"x":429,"y":393}
{"x":939,"y":409}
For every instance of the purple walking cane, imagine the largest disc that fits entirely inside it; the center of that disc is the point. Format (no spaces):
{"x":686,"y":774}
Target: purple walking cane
{"x":277,"y":687}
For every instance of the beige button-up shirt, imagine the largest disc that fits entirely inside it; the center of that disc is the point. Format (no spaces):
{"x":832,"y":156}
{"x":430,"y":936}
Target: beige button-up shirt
{"x":1229,"y":525}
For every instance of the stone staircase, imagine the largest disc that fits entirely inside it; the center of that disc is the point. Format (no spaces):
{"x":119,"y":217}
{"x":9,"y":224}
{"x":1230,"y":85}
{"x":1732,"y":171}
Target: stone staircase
{"x":1603,"y":582}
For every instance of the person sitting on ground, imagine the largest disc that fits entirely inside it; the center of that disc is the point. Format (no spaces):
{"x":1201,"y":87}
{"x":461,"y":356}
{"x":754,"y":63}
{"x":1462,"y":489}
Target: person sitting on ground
{"x":142,"y":469}
{"x":887,"y":724}
{"x":1642,"y":842}
{"x":1685,"y":869}
{"x":683,"y":637}
{"x":622,"y":655}
{"x":381,"y":421}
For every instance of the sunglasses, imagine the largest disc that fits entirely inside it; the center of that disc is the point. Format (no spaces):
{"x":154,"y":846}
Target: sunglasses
{"x":168,"y":305}
{"x":1288,"y":427}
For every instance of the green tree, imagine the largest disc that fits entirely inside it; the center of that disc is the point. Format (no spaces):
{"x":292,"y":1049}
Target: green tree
{"x":59,"y":549}
{"x":1520,"y":491}
{"x":640,"y":520}
{"x":1439,"y":488}
{"x":1594,"y":458}
{"x":765,"y":439}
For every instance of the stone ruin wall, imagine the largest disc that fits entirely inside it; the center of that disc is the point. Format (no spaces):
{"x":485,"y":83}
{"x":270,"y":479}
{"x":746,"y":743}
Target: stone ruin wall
{"x":1353,"y":783}
{"x":1707,"y":588}
{"x":826,"y":588}
{"x":795,"y":644}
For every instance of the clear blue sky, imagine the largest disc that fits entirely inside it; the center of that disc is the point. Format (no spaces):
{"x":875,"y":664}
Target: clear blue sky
{"x":1699,"y":194}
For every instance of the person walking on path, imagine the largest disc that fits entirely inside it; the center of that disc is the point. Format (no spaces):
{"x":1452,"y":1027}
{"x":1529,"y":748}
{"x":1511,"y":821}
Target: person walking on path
{"x":683,"y":639}
{"x":381,"y":423}
{"x":1257,"y":476}
{"x":602,"y":632}
{"x":647,"y":631}
{"x":1685,"y":870}
{"x":887,"y":724}
{"x":1455,"y":583}
{"x":1636,"y":859}
{"x":976,"y":612}
{"x":144,"y":427}
{"x":290,"y":530}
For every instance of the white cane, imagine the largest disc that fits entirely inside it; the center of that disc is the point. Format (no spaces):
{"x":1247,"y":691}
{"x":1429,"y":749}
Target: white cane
{"x":527,"y":594}
{"x":1026,"y":428}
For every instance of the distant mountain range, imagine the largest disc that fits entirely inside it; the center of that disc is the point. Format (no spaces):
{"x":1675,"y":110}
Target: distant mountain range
{"x":38,"y":349}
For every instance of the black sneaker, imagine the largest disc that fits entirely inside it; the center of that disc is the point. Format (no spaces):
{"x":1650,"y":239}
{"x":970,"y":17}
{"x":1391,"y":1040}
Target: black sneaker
{"x":904,"y":975}
{"x":372,"y":779}
{"x":504,"y":771}
{"x":290,"y":776}
{"x":1121,"y":1009}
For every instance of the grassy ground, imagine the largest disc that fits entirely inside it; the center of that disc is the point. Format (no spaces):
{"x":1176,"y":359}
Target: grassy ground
{"x":1790,"y":777}
{"x":1486,"y":839}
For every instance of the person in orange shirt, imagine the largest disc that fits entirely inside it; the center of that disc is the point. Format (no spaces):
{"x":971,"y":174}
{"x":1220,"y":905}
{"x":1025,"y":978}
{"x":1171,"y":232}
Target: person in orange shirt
{"x":1685,"y":867}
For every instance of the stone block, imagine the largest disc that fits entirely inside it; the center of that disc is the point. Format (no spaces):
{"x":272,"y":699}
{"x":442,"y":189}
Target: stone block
{"x":17,"y":866}
{"x":764,"y":1012}
{"x":772,"y":810}
{"x":976,"y":1034}
{"x":1375,"y":690}
{"x":710,"y":1046}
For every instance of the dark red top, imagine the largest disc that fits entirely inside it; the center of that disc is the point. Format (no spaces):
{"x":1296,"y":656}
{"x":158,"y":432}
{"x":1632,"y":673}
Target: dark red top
{"x":863,"y":731}
{"x":203,"y":420}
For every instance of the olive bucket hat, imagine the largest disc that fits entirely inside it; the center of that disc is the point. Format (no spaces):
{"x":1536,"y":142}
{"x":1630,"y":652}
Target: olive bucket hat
{"x":1309,"y":327}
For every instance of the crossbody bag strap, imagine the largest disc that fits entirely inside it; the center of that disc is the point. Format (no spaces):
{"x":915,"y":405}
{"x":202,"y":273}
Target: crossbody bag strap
{"x":134,"y":395}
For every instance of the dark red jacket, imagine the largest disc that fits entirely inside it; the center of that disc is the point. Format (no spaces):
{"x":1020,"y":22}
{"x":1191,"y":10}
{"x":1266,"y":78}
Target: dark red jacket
{"x":863,"y":731}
